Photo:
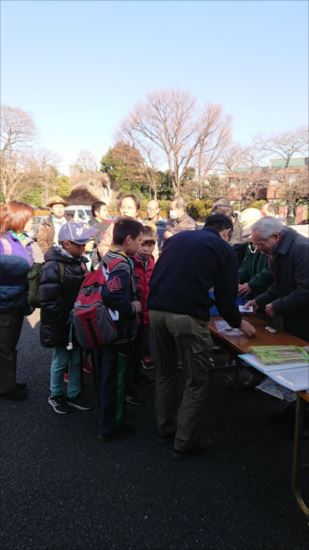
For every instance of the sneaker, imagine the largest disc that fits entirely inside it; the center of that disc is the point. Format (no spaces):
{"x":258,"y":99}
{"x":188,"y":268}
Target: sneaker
{"x":199,"y":447}
{"x":133,"y":400}
{"x":123,"y":433}
{"x":147,"y":363}
{"x":87,"y":367}
{"x":66,"y":377}
{"x":59,"y":404}
{"x":78,"y":403}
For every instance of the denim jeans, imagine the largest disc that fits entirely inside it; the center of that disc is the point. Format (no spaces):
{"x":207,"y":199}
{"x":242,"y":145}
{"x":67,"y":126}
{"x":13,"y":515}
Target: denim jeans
{"x":60,"y":360}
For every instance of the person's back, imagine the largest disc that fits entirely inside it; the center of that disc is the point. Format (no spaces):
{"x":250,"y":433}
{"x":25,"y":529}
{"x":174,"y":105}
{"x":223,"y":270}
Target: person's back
{"x":190,"y":264}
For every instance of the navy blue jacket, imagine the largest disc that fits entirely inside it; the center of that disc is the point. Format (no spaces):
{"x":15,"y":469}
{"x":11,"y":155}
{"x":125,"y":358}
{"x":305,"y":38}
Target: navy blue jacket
{"x":191,"y":263}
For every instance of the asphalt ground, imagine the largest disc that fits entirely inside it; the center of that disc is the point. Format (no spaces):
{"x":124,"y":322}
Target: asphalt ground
{"x":63,"y":489}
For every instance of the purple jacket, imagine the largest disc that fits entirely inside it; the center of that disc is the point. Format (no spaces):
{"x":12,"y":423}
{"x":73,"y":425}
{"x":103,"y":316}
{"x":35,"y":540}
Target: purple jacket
{"x":15,"y":263}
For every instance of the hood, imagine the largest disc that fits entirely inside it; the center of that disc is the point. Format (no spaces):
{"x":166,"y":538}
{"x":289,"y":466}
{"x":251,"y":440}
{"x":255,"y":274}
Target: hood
{"x":57,"y":253}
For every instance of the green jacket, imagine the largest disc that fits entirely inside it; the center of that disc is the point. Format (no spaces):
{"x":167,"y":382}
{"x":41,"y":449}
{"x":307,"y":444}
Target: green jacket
{"x":254,"y":270}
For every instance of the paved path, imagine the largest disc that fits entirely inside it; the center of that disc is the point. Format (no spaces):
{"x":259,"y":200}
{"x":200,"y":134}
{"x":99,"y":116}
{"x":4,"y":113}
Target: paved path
{"x":62,"y":489}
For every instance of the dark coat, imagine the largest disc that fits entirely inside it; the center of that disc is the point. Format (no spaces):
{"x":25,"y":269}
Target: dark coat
{"x":120,"y":291}
{"x":254,"y":270}
{"x":192,"y":263}
{"x":289,"y":294}
{"x":46,"y":233}
{"x":57,"y":295}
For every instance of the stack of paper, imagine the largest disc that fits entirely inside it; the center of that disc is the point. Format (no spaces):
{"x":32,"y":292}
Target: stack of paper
{"x":293,"y":376}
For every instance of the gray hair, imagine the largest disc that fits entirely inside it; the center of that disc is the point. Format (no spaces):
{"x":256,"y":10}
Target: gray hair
{"x":267,"y":226}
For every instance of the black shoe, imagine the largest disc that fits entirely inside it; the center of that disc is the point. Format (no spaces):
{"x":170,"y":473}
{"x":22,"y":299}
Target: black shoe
{"x":133,"y":400}
{"x":78,"y":403}
{"x":21,"y":385}
{"x":165,"y":439}
{"x":199,"y":447}
{"x":15,"y":395}
{"x":123,"y":433}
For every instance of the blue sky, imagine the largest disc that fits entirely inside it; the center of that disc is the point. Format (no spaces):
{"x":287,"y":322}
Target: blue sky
{"x":79,"y":67}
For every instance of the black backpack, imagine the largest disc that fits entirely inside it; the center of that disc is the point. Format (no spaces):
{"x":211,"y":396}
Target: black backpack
{"x":34,"y":276}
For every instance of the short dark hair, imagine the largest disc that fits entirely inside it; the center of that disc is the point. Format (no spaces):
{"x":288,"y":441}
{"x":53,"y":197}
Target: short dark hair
{"x":219,"y":222}
{"x":95,"y":207}
{"x":125,"y":227}
{"x":134,"y":198}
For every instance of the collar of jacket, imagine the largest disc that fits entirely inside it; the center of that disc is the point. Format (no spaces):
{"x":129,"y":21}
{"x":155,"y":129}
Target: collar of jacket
{"x":288,"y":236}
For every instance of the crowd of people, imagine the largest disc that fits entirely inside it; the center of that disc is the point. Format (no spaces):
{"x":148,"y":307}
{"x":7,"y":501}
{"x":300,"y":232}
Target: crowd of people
{"x":161,"y":276}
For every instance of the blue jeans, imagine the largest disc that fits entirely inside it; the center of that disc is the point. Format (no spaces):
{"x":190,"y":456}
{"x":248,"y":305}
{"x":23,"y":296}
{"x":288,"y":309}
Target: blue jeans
{"x":60,"y":360}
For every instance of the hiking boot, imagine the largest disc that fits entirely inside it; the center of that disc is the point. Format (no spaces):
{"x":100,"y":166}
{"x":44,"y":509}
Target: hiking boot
{"x":78,"y":403}
{"x":201,"y":446}
{"x":132,"y":399}
{"x":59,"y":404}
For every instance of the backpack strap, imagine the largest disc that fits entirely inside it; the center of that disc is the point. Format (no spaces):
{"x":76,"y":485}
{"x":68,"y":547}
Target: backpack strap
{"x":7,"y":247}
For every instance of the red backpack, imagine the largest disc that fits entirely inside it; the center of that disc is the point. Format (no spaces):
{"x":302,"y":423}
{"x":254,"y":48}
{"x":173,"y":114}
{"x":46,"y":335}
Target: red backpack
{"x":92,"y":322}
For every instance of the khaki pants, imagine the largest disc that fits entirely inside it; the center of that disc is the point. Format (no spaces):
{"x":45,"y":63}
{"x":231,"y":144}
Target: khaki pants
{"x":10,"y":329}
{"x":180,"y":337}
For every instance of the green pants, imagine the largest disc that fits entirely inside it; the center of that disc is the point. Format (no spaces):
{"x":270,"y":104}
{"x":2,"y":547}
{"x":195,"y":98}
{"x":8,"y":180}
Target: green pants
{"x":180,"y":337}
{"x":10,"y":329}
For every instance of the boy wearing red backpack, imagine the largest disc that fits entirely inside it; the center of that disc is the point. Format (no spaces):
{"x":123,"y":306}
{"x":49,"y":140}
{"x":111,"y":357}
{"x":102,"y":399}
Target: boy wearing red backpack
{"x":119,"y":294}
{"x":61,"y":278}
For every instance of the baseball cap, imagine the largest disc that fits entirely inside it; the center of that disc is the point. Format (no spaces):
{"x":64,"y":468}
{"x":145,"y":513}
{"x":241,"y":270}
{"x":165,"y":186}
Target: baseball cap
{"x":78,"y":233}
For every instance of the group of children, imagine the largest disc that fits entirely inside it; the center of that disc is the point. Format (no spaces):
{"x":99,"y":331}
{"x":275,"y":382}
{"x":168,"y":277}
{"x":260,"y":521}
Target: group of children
{"x":129,"y":262}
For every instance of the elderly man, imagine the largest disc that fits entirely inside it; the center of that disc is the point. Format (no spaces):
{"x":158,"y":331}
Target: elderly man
{"x":288,"y":253}
{"x":191,"y":263}
{"x":154,"y":218}
{"x":49,"y":229}
{"x":178,"y":220}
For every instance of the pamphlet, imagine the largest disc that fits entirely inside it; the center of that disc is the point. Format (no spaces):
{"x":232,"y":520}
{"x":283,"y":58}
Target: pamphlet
{"x":276,"y":390}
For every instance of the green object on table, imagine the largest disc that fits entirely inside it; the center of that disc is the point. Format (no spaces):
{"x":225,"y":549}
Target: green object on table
{"x":272,"y":355}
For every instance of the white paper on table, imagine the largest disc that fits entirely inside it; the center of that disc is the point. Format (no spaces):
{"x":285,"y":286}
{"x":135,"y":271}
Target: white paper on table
{"x":267,"y":369}
{"x":223,"y":326}
{"x":276,"y":390}
{"x":244,"y":309}
{"x":296,"y":379}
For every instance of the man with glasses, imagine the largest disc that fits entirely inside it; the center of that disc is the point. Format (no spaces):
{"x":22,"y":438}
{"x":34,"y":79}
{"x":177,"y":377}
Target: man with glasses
{"x":288,"y":253}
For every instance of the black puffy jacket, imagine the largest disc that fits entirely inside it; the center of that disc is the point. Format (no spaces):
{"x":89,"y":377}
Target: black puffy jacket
{"x":58,"y":289}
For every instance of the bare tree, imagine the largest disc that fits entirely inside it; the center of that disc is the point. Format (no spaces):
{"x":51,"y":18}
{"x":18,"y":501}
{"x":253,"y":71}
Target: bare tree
{"x":17,"y":130}
{"x":284,"y":145}
{"x":169,"y":128}
{"x":86,"y":162}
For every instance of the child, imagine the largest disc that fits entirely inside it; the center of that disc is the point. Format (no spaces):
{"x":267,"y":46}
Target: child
{"x":139,"y":349}
{"x":119,"y":293}
{"x":61,"y":278}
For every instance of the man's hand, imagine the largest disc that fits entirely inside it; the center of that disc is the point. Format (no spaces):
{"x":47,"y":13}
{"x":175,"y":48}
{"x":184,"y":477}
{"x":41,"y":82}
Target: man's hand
{"x":251,"y":303}
{"x":167,"y":234}
{"x":137,"y":306}
{"x":244,"y":289}
{"x":269,"y":310}
{"x":247,"y":328}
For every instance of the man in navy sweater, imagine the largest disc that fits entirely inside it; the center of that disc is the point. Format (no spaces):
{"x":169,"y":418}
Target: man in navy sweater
{"x":191,"y":263}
